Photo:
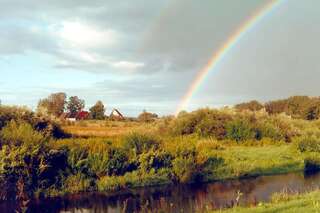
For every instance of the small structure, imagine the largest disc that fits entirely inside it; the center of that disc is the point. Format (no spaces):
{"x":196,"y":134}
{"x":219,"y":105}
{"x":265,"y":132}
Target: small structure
{"x":116,"y":114}
{"x":83,"y":115}
{"x":71,"y":119}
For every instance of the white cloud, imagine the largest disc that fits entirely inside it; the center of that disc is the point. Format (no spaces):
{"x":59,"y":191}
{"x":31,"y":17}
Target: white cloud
{"x":127,"y":65}
{"x":80,"y":35}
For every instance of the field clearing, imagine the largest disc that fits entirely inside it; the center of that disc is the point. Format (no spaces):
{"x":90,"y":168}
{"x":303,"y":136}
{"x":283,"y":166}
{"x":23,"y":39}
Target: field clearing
{"x":92,"y":128}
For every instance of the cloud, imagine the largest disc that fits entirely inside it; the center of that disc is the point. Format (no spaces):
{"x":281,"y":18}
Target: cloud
{"x":79,"y":35}
{"x":127,"y":65}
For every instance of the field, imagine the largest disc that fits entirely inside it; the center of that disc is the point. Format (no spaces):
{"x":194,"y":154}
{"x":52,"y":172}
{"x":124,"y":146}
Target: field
{"x":100,"y":128}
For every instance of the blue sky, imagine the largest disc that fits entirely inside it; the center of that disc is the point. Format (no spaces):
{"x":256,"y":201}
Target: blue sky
{"x":145,"y":55}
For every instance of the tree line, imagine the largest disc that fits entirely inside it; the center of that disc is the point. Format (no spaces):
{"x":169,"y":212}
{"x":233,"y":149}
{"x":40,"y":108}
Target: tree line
{"x":58,"y":105}
{"x":302,"y":107}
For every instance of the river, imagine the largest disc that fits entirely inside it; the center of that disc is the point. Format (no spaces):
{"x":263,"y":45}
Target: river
{"x":178,"y":198}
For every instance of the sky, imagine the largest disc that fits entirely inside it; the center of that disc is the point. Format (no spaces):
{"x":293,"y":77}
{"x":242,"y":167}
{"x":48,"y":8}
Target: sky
{"x":142,"y":54}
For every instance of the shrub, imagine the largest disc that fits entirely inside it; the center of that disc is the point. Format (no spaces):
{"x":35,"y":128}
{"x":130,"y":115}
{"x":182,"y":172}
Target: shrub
{"x":213,"y":124}
{"x":154,"y":160}
{"x":239,"y":130}
{"x":26,"y":164}
{"x":267,"y":129}
{"x":78,"y":183}
{"x":308,"y":144}
{"x":139,"y":143}
{"x":15,"y":134}
{"x":184,"y":168}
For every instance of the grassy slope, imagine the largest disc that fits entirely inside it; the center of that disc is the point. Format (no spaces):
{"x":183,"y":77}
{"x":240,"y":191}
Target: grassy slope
{"x":266,"y":160}
{"x":309,"y":202}
{"x":238,"y":162}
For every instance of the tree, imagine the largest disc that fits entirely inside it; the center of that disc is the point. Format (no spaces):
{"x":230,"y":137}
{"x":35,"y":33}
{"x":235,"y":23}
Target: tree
{"x":252,"y":106}
{"x":53,"y":105}
{"x":74,"y":106}
{"x":147,"y":116}
{"x":97,"y":111}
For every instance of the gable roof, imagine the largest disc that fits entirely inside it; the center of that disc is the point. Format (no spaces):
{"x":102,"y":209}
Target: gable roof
{"x":116,"y":112}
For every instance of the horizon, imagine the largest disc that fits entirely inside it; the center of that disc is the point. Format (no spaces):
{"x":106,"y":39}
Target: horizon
{"x":146,"y":55}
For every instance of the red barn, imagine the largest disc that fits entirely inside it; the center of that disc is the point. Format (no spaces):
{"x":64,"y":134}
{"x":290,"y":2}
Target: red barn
{"x":83,"y":115}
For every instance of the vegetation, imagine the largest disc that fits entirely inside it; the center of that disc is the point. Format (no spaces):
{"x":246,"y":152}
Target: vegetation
{"x":37,"y":158}
{"x":284,"y":203}
{"x":97,"y":111}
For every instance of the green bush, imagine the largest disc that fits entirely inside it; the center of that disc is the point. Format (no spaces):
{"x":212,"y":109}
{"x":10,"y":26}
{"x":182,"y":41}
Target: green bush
{"x":240,"y":130}
{"x":26,"y":163}
{"x":184,"y":168}
{"x":213,"y":124}
{"x":154,"y":160}
{"x":140,"y":142}
{"x":78,"y":183}
{"x":308,"y":144}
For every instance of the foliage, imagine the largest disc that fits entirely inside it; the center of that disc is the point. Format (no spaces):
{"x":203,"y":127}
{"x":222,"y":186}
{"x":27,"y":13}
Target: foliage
{"x":240,"y":130}
{"x":283,"y":202}
{"x":251,"y":105}
{"x":74,"y":106}
{"x":26,"y":165}
{"x":147,"y":116}
{"x":97,"y":111}
{"x":138,"y":143}
{"x":308,"y":144}
{"x":53,"y":105}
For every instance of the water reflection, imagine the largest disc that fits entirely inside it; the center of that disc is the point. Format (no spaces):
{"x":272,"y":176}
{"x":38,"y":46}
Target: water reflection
{"x":179,"y":198}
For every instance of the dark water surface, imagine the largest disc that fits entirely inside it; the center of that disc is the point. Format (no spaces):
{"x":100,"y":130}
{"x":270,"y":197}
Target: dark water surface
{"x":178,"y":198}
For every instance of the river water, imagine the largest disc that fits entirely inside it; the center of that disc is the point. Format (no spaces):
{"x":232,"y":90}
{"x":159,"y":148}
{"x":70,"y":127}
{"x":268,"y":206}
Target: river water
{"x":178,"y":198}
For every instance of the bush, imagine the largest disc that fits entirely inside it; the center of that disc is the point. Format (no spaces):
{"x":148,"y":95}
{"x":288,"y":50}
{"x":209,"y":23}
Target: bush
{"x":155,"y":160}
{"x":78,"y":183}
{"x":22,"y":115}
{"x":240,"y":130}
{"x":140,"y":142}
{"x":308,"y":144}
{"x":15,"y":134}
{"x":184,"y":168}
{"x":26,"y":164}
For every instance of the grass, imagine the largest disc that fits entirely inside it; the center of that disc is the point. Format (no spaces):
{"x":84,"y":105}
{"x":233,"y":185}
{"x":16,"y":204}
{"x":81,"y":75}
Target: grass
{"x":242,"y":161}
{"x":307,"y":202}
{"x":103,"y":128}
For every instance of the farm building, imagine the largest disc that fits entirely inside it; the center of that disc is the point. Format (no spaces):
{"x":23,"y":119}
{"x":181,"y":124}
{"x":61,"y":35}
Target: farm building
{"x":116,"y":114}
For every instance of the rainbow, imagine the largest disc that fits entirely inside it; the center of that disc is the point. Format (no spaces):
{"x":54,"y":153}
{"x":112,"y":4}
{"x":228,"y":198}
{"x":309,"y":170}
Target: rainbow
{"x":224,"y":49}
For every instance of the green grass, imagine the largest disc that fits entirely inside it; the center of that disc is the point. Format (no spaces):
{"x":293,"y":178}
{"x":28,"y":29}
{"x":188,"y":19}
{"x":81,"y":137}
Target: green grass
{"x":240,"y":161}
{"x":308,"y":203}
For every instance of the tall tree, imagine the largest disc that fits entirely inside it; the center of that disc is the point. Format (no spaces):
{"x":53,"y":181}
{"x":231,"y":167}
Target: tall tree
{"x":97,"y":111}
{"x":75,"y":105}
{"x":54,"y":104}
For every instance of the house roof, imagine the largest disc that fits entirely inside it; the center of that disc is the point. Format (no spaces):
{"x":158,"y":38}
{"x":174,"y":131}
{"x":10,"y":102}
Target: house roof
{"x":117,"y":112}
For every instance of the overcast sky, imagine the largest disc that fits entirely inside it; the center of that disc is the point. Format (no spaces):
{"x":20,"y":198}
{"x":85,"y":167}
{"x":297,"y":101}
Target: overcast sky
{"x":142,"y":54}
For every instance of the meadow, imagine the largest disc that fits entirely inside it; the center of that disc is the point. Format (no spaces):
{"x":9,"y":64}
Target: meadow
{"x":42,"y":157}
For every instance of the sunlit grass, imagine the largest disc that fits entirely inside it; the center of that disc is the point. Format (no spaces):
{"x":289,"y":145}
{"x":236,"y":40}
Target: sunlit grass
{"x":307,"y":202}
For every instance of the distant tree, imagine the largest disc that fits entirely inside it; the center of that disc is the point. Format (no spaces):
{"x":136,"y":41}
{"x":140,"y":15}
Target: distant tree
{"x":97,"y":111}
{"x":74,"y":106}
{"x":303,"y":107}
{"x":251,"y":105}
{"x":53,"y":105}
{"x":147,"y":116}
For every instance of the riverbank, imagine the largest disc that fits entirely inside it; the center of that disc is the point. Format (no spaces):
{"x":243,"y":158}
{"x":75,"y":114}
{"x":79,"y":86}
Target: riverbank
{"x":283,"y":203}
{"x":181,"y":197}
{"x":231,"y":162}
